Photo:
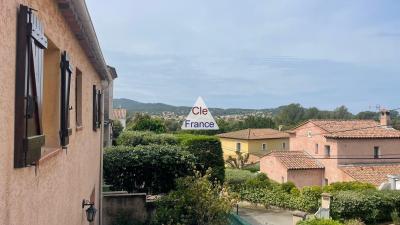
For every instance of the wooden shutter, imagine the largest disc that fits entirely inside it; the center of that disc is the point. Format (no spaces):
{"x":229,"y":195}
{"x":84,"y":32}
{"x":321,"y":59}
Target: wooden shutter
{"x":66,"y":72}
{"x":95,"y":114}
{"x":28,"y":133}
{"x":99,"y":107}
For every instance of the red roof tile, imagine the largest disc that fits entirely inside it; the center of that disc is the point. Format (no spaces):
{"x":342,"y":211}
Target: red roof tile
{"x":255,"y":134}
{"x":296,"y":160}
{"x":119,"y":114}
{"x":371,"y":173}
{"x":354,"y":129}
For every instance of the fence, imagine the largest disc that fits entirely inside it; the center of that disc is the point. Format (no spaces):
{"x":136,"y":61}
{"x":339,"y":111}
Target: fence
{"x":237,"y":220}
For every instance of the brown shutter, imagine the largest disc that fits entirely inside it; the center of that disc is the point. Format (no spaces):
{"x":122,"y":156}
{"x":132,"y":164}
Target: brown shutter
{"x":66,"y":72}
{"x":95,"y":114}
{"x":99,"y":106}
{"x":28,"y":134}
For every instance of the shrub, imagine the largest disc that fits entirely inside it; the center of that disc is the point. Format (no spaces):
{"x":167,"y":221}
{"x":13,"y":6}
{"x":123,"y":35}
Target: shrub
{"x":117,"y":128}
{"x":237,"y":177}
{"x":319,"y":222}
{"x":144,"y":122}
{"x":208,"y":153}
{"x":348,"y":186}
{"x":354,"y":222}
{"x":395,"y":217}
{"x":369,"y":205}
{"x":196,"y":201}
{"x":288,"y":186}
{"x":255,"y":167}
{"x":135,"y":138}
{"x":151,"y":168}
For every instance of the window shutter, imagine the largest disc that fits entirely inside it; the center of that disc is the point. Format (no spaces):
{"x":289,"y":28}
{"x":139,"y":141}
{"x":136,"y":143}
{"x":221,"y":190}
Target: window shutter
{"x":95,"y":114}
{"x":66,"y":72}
{"x":28,"y":134}
{"x":99,"y":106}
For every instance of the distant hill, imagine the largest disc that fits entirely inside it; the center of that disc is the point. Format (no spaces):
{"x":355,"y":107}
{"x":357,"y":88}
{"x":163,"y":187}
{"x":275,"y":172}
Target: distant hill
{"x":157,"y":108}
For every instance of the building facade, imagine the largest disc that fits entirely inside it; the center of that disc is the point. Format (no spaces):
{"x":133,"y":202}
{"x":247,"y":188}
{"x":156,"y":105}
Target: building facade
{"x":362,"y":150}
{"x":53,"y":74}
{"x":255,"y":142}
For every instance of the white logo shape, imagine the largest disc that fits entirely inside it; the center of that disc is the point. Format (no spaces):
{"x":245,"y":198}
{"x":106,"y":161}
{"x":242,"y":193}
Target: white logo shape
{"x":199,"y":118}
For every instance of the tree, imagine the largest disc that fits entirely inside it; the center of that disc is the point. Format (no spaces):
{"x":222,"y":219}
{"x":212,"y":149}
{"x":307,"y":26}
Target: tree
{"x":144,"y":122}
{"x":342,"y":113}
{"x":117,"y":128}
{"x":367,"y":115}
{"x":290,"y":115}
{"x":240,"y":160}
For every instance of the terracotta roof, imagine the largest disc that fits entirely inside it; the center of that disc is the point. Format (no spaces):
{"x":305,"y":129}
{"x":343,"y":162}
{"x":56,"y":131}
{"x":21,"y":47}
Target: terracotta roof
{"x":255,"y":134}
{"x":119,"y":114}
{"x":296,"y":160}
{"x":371,"y":173}
{"x":354,"y":129}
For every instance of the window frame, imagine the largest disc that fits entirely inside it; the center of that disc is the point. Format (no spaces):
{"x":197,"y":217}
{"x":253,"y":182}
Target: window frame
{"x":238,"y":146}
{"x":377,"y":152}
{"x":264,"y":146}
{"x":327,"y":151}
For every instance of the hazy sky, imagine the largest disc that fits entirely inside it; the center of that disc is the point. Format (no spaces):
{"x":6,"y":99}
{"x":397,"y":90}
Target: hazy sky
{"x":253,"y":53}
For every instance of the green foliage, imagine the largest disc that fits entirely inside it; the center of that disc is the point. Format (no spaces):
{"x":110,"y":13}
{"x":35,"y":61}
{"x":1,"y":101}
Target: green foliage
{"x":123,"y":218}
{"x":135,"y":138}
{"x":255,"y":167}
{"x":208,"y":153}
{"x":354,"y":222}
{"x":144,"y":122}
{"x":395,"y":217}
{"x":319,"y":222}
{"x":288,"y":186}
{"x":237,"y":176}
{"x":369,"y":205}
{"x":196,"y":201}
{"x":146,"y":168}
{"x":117,"y":128}
{"x":348,"y":186}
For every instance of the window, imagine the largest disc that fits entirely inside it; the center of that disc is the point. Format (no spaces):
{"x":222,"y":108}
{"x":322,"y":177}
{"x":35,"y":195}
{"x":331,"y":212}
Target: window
{"x":327,"y":151}
{"x":97,"y":107}
{"x":263,"y":146}
{"x":309,"y":134}
{"x":238,"y":147}
{"x":78,"y":98}
{"x":316,"y":149}
{"x":377,"y":152}
{"x":284,"y":145}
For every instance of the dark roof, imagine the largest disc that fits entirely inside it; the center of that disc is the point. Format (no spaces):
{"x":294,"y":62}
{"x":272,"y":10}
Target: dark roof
{"x":371,"y":173}
{"x":255,"y":134}
{"x":296,"y":160}
{"x":353,"y":129}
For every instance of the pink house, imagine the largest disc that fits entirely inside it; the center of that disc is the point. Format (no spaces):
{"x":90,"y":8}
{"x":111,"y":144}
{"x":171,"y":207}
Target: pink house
{"x":362,"y":150}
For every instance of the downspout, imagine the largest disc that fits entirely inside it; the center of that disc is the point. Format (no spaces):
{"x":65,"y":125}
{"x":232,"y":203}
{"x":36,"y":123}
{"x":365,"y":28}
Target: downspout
{"x":104,"y":85}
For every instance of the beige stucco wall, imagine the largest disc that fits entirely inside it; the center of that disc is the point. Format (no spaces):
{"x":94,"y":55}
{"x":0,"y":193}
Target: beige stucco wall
{"x":254,"y":147}
{"x":51,"y":193}
{"x":306,"y":177}
{"x":274,"y":169}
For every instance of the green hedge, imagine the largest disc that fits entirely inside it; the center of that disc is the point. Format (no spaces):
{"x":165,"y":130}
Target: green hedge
{"x":319,"y":222}
{"x":135,"y":138}
{"x":208,"y":152}
{"x":237,"y":176}
{"x":368,"y":205}
{"x":147,"y":168}
{"x":348,"y":186}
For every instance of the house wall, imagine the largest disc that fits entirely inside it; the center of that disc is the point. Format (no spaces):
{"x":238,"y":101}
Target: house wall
{"x":302,"y":141}
{"x":306,"y":177}
{"x":364,"y":148}
{"x":52,"y":192}
{"x":253,"y":147}
{"x":273,"y":168}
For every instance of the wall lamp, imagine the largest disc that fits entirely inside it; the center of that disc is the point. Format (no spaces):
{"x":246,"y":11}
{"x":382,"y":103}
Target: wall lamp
{"x":91,"y":211}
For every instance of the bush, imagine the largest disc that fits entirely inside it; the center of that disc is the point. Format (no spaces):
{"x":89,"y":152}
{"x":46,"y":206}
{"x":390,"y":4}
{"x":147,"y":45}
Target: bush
{"x":236,"y":176}
{"x":319,"y":222}
{"x":354,"y":222}
{"x":255,"y":167}
{"x":144,"y":122}
{"x":196,"y":201}
{"x":348,"y":186}
{"x":151,"y":168}
{"x":369,"y":205}
{"x":208,"y":153}
{"x":135,"y":138}
{"x":395,"y":217}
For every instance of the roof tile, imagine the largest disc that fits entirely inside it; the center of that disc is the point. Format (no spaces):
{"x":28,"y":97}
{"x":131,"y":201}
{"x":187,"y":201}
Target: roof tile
{"x":255,"y":134}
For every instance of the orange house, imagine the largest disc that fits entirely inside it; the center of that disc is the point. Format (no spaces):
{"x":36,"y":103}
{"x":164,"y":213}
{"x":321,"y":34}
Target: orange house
{"x":52,"y":79}
{"x":362,"y":150}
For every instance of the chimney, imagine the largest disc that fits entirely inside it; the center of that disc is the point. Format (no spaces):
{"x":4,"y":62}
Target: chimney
{"x":385,"y":118}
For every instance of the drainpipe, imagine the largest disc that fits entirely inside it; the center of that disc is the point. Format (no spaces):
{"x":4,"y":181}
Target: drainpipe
{"x":104,"y":85}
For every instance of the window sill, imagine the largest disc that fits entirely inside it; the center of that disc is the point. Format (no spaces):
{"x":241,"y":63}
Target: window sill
{"x":79,"y":128}
{"x":49,"y":153}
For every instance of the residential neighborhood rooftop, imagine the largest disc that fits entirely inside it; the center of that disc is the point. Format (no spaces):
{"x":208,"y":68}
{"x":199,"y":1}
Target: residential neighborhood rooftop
{"x":354,"y":129}
{"x":255,"y":134}
{"x":374,"y":173}
{"x":296,"y":160}
{"x":119,"y":113}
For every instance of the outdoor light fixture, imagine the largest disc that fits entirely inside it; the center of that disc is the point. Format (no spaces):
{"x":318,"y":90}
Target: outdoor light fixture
{"x":91,"y":211}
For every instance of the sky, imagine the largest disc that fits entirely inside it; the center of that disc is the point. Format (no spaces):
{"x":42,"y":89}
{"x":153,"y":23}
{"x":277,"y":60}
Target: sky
{"x":253,"y":53}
